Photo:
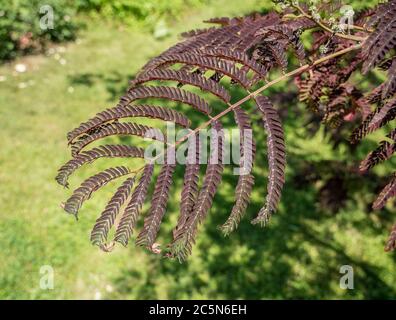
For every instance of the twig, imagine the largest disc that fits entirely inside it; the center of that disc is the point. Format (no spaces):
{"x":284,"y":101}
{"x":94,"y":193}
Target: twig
{"x":257,"y":92}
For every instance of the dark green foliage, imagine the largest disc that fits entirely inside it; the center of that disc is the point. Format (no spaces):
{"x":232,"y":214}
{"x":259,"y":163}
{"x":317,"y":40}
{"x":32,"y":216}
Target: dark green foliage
{"x":20,"y":31}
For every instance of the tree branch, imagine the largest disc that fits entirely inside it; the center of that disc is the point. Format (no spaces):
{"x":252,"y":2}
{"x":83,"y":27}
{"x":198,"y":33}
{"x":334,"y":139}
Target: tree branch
{"x":258,"y":91}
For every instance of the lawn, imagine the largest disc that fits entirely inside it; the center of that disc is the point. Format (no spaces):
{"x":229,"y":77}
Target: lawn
{"x":298,"y":255}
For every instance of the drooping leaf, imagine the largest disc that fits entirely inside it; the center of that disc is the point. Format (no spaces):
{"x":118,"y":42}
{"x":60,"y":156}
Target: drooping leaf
{"x":387,"y":193}
{"x":147,"y":236}
{"x":84,"y":192}
{"x":106,"y":220}
{"x":246,"y":179}
{"x":383,"y":39}
{"x":132,"y":211}
{"x":190,"y":188}
{"x":170,"y":93}
{"x":154,"y":112}
{"x":106,"y":151}
{"x":184,"y":238}
{"x":391,"y":244}
{"x":185,"y":78}
{"x":377,"y":119}
{"x":276,"y":158}
{"x":126,"y":128}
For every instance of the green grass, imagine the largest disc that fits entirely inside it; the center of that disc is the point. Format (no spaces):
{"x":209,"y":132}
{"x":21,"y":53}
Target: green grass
{"x":297,"y":256}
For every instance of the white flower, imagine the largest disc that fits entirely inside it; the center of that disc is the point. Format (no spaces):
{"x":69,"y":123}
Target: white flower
{"x":3,"y":78}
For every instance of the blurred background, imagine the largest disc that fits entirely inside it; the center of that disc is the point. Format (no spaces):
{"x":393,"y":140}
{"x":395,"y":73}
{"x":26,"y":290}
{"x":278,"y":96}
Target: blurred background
{"x":51,"y":80}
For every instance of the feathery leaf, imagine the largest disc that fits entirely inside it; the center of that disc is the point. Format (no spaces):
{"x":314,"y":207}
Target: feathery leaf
{"x":276,"y":158}
{"x":132,"y":211}
{"x":391,"y":244}
{"x":387,"y":193}
{"x":126,"y":128}
{"x":106,"y":220}
{"x":175,"y":94}
{"x":84,"y":192}
{"x":185,"y":78}
{"x":147,"y":236}
{"x":147,"y":111}
{"x":107,"y":151}
{"x":184,"y":238}
{"x":246,"y":179}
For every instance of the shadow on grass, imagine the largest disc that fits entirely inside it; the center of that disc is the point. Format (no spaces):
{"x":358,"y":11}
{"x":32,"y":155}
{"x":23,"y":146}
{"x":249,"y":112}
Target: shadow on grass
{"x":116,"y":83}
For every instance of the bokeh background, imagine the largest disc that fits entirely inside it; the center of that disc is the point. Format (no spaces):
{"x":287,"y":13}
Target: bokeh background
{"x":50,"y":82}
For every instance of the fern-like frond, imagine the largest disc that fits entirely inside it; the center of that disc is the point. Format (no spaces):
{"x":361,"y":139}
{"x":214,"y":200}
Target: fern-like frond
{"x":184,"y":238}
{"x":244,"y":50}
{"x":132,"y":210}
{"x":235,"y":56}
{"x":106,"y":220}
{"x":380,"y":15}
{"x":391,"y":244}
{"x":246,"y":179}
{"x":105,"y":151}
{"x":211,"y":63}
{"x":147,"y":236}
{"x":127,"y":128}
{"x":375,"y":96}
{"x":190,"y":188}
{"x":287,"y":33}
{"x":308,"y":88}
{"x":154,"y":112}
{"x":383,"y":39}
{"x":185,"y":78}
{"x":84,"y":192}
{"x":390,"y":84}
{"x":242,"y":198}
{"x":276,"y":158}
{"x":382,"y":153}
{"x":377,"y":119}
{"x":387,"y":193}
{"x":271,"y":52}
{"x":197,"y":32}
{"x":170,"y":93}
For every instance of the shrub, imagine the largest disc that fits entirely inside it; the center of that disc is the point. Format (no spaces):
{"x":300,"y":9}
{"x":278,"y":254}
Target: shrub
{"x":20,"y":31}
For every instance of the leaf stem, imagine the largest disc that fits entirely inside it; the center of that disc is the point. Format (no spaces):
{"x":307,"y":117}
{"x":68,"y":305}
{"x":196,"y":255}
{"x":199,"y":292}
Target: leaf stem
{"x":253,"y":94}
{"x":266,"y":86}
